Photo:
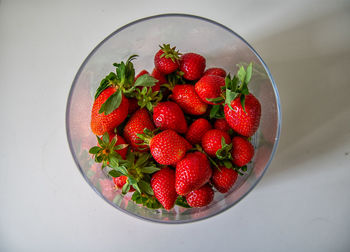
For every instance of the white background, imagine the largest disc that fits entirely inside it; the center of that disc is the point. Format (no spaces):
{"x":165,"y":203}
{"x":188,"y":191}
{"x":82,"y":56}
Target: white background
{"x":302,"y":203}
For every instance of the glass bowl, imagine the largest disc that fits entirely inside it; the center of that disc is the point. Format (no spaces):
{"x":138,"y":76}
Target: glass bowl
{"x":221,"y":47}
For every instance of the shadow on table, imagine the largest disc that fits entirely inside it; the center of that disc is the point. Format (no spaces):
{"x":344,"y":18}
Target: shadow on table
{"x":311,"y":66}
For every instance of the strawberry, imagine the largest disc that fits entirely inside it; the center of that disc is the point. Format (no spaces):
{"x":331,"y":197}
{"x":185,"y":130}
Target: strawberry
{"x":192,"y":65}
{"x":110,"y":107}
{"x":163,"y":186}
{"x":188,"y":145}
{"x":215,"y":71}
{"x":208,"y":88}
{"x":200,"y":197}
{"x":242,"y":109}
{"x":167,"y":147}
{"x":221,"y":124}
{"x":160,"y":77}
{"x":192,"y":172}
{"x":120,"y":182}
{"x":133,"y":106}
{"x":242,"y":151}
{"x":166,"y":59}
{"x":197,"y":129}
{"x":139,"y":121}
{"x":212,"y":141}
{"x":186,"y":97}
{"x":104,"y":122}
{"x":223,"y":178}
{"x":168,"y":115}
{"x":110,"y":148}
{"x":143,"y":72}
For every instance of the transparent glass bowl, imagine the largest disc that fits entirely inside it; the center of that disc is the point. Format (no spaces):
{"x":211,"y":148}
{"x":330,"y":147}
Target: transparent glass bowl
{"x":221,"y":47}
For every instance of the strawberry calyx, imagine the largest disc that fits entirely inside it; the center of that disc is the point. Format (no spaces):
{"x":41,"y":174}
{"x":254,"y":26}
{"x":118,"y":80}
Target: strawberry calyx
{"x":170,"y":52}
{"x":106,"y":153}
{"x":146,"y":136}
{"x":181,"y":201}
{"x":137,"y":168}
{"x":173,"y":79}
{"x":225,"y":151}
{"x":146,"y":200}
{"x":146,"y":98}
{"x":123,"y":81}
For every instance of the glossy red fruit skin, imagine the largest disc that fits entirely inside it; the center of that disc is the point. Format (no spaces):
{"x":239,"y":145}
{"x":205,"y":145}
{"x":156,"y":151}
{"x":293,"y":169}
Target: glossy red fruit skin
{"x":133,"y":106}
{"x":192,"y":65}
{"x":168,"y":115}
{"x":224,"y":178}
{"x":168,"y":147}
{"x":160,"y":77}
{"x":192,"y":172}
{"x":163,"y":186}
{"x":211,"y":141}
{"x":101,"y":123}
{"x":197,"y":129}
{"x":242,"y":151}
{"x":245,"y":124}
{"x":120,"y":182}
{"x":186,"y":97}
{"x":221,"y":124}
{"x":209,"y":87}
{"x":200,"y":197}
{"x":165,"y":65}
{"x":136,"y":124}
{"x":215,"y":71}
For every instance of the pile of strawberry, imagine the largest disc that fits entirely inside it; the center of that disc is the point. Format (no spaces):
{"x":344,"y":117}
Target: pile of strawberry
{"x":172,"y":135}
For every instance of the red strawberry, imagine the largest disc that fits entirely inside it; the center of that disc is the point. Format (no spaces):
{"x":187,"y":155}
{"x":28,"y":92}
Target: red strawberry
{"x":200,"y":197}
{"x":242,"y":151}
{"x":166,"y":59}
{"x":159,"y":76}
{"x":209,"y":87}
{"x":215,"y":71}
{"x":167,"y":147}
{"x":186,"y":97}
{"x":163,"y":186}
{"x":192,"y":65}
{"x":212,"y":141}
{"x":143,"y":72}
{"x":120,"y":182}
{"x":188,"y":145}
{"x":139,"y":121}
{"x":197,"y":129}
{"x":192,"y":172}
{"x":168,"y":115}
{"x":224,"y":178}
{"x":101,"y":123}
{"x":244,"y":123}
{"x":221,"y":124}
{"x":133,"y":106}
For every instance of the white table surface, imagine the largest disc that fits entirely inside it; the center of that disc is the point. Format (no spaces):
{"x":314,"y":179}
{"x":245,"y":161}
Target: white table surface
{"x":302,"y":203}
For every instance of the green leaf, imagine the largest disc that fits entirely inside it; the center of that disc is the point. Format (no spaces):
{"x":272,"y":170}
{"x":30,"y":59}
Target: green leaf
{"x":217,"y":112}
{"x":105,"y":138}
{"x":114,"y":141}
{"x":113,"y":161}
{"x":99,"y":140}
{"x":105,"y":83}
{"x":227,"y":163}
{"x":149,"y":169}
{"x":249,"y":72}
{"x":142,"y":159}
{"x":114,"y":173}
{"x":112,"y":103}
{"x":230,"y":96}
{"x":134,"y":184}
{"x":216,"y":100}
{"x":241,"y":74}
{"x":122,"y":170}
{"x":94,"y":150}
{"x":145,"y":187}
{"x":120,"y":146}
{"x":145,"y":81}
{"x":126,"y":188}
{"x":243,"y":102}
{"x":181,"y":201}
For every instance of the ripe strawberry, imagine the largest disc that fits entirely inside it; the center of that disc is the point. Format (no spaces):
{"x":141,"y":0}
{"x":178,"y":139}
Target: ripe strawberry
{"x":215,"y":71}
{"x":192,"y":65}
{"x":133,"y":106}
{"x":209,"y":87}
{"x":139,"y":121}
{"x":186,"y":97}
{"x":160,"y":77}
{"x":188,"y":145}
{"x":192,"y":172}
{"x":168,"y":115}
{"x":196,"y":130}
{"x":120,"y":182}
{"x":101,"y":123}
{"x":221,"y":124}
{"x":166,"y":59}
{"x":242,"y":151}
{"x":163,"y":186}
{"x":212,"y":141}
{"x":243,"y":122}
{"x":167,"y":147}
{"x":223,"y":178}
{"x":200,"y":197}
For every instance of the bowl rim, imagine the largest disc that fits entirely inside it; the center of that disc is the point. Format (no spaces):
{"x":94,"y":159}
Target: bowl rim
{"x":279,"y":115}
